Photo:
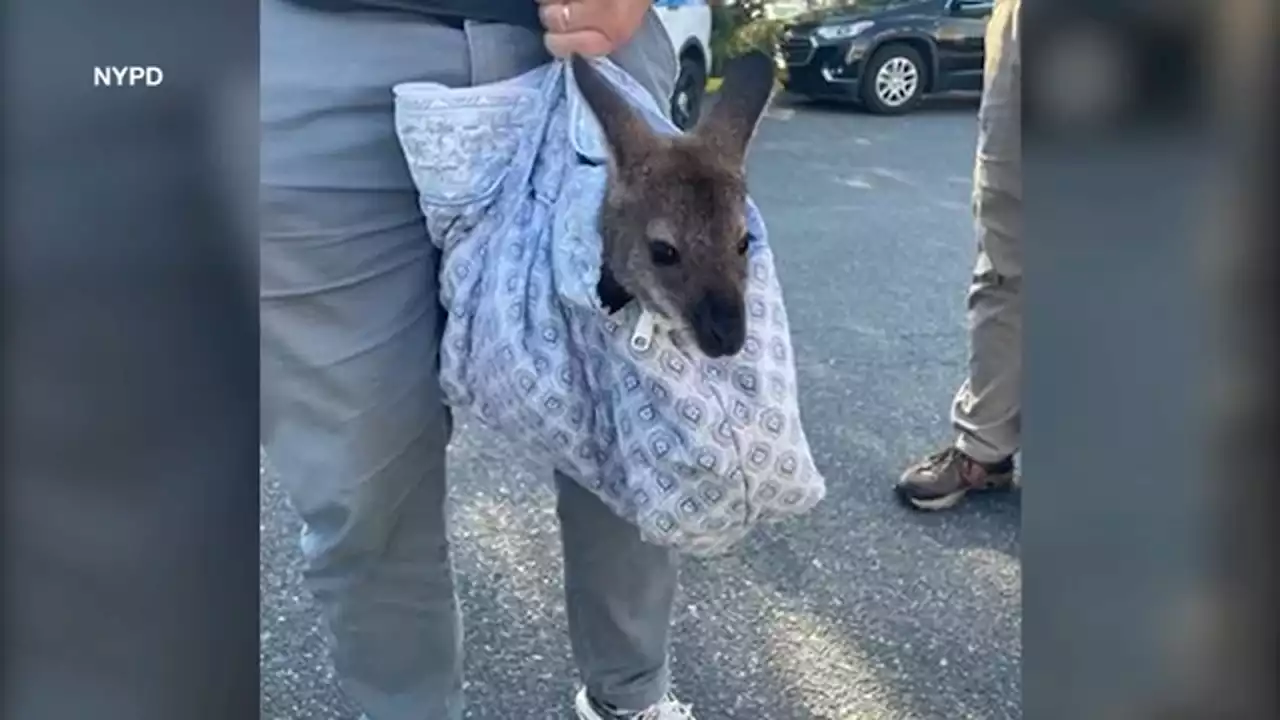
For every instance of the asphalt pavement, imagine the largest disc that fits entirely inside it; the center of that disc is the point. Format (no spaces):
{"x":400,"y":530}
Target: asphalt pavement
{"x":860,"y":611}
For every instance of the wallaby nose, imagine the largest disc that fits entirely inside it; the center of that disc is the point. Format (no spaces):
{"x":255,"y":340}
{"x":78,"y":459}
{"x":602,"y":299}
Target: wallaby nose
{"x":719,"y":324}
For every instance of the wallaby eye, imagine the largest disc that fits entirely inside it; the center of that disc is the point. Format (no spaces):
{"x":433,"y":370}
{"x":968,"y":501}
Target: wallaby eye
{"x":663,"y":253}
{"x":743,"y":244}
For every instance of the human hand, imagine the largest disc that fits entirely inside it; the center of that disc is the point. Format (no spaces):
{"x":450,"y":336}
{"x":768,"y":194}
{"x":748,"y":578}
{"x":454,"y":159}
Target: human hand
{"x":590,"y":27}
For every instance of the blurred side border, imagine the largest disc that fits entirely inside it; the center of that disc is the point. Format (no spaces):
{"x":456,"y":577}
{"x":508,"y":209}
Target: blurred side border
{"x":1149,"y":568}
{"x":130,"y":362}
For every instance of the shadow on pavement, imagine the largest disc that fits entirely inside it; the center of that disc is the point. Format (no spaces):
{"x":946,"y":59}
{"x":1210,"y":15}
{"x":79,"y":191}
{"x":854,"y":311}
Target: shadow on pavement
{"x":799,"y":624}
{"x":1002,"y":513}
{"x":934,"y":646}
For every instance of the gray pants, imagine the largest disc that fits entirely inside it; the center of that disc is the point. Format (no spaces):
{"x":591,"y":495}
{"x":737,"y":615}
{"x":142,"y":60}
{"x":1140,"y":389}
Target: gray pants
{"x":987,"y":408}
{"x":353,"y":419}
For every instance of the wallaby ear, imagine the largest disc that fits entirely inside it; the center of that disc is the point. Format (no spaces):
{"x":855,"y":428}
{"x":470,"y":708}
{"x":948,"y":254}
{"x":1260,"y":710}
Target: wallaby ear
{"x":732,"y":121}
{"x":630,"y":138}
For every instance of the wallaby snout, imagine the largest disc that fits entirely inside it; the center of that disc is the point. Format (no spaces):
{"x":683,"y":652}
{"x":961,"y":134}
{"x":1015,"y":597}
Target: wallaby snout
{"x":719,"y":323}
{"x":673,"y":223}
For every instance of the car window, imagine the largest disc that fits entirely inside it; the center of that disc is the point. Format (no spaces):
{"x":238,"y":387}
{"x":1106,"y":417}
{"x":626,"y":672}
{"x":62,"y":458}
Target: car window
{"x":976,"y":7}
{"x":861,"y":4}
{"x":819,"y":9}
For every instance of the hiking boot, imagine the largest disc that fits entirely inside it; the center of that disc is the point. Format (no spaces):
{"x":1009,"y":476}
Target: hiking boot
{"x":944,"y":478}
{"x":668,"y":708}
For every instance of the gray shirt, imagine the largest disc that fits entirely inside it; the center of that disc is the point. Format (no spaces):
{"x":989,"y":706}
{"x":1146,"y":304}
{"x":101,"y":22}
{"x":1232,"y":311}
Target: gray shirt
{"x":512,"y":12}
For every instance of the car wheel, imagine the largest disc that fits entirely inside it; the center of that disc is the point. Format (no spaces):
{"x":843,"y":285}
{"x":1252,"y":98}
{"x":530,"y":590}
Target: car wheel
{"x":686,"y":101}
{"x":894,"y":81}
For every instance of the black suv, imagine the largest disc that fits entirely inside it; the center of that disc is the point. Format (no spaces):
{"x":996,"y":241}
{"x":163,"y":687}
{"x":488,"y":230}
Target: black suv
{"x":886,"y":54}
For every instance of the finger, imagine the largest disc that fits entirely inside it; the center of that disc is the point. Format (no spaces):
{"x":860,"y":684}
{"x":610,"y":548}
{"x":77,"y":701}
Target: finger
{"x":582,"y":15}
{"x":591,"y":43}
{"x":617,"y":21}
{"x":558,"y":17}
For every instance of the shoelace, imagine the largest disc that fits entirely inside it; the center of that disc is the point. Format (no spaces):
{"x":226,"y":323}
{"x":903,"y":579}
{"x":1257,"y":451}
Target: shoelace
{"x":937,"y":460}
{"x":966,"y":469}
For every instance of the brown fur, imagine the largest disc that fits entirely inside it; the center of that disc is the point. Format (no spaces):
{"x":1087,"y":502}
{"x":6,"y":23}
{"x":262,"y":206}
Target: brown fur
{"x":685,"y":193}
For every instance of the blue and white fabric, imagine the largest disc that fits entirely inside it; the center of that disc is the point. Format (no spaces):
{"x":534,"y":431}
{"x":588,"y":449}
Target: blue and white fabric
{"x":693,"y":451}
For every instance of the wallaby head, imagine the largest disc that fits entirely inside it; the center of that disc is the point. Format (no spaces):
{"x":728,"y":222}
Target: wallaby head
{"x":673,"y":224}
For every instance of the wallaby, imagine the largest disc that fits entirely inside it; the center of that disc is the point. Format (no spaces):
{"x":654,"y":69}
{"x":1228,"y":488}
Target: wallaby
{"x":673,"y":223}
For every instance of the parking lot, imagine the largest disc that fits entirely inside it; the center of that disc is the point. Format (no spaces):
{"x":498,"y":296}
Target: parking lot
{"x":861,"y":611}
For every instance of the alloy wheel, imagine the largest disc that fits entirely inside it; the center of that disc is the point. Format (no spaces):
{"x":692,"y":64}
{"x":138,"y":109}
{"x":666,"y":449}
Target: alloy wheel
{"x":897,"y":81}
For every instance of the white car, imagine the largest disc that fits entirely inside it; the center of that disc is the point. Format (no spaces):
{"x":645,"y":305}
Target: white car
{"x":688,"y":22}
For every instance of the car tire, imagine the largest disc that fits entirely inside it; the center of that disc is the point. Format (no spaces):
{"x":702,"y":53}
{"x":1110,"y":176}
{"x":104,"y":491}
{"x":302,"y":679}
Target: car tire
{"x":894,"y":81}
{"x":691,"y":86}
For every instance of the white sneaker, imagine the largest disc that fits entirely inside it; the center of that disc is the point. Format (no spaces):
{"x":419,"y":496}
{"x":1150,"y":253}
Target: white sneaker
{"x":668,"y":708}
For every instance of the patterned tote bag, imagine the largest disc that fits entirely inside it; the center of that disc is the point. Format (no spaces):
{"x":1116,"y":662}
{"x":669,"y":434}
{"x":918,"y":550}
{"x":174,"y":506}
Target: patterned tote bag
{"x":694,"y":451}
